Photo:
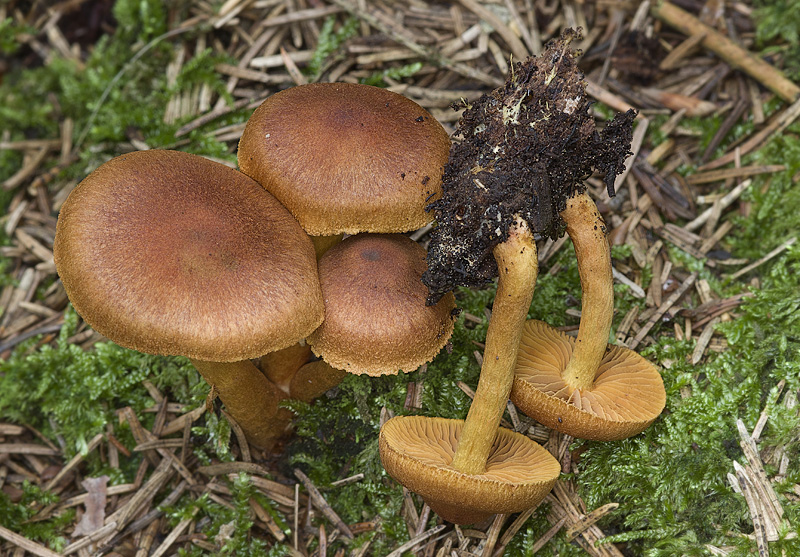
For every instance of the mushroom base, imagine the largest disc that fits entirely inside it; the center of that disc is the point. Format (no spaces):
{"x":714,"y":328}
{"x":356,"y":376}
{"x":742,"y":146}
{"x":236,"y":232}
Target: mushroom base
{"x":417,"y":452}
{"x":626,"y":397}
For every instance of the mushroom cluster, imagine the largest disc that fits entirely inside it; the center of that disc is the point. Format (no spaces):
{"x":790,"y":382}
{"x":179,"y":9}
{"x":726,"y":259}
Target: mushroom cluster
{"x":174,"y":254}
{"x":170,"y":253}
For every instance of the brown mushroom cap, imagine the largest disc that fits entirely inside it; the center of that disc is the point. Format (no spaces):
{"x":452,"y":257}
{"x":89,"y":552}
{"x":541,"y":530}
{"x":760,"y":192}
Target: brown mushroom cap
{"x":170,"y":253}
{"x":417,"y":452}
{"x":627,"y":394}
{"x":346,"y":158}
{"x":376,"y":320}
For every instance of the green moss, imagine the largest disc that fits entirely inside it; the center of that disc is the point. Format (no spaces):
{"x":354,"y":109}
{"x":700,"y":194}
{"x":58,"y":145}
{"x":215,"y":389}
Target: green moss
{"x":66,"y":391}
{"x":329,"y":43}
{"x":51,"y":533}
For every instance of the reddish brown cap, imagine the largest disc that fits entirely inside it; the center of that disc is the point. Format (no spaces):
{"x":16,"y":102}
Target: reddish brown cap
{"x":171,"y":253}
{"x":417,"y":452}
{"x":376,"y":320}
{"x":346,"y":158}
{"x":627,"y":394}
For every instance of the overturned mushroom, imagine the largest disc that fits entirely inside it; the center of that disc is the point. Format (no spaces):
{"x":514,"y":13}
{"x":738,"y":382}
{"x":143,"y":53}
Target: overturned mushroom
{"x":625,"y":396}
{"x":585,"y":387}
{"x":170,"y":253}
{"x":525,"y":149}
{"x":475,"y":454}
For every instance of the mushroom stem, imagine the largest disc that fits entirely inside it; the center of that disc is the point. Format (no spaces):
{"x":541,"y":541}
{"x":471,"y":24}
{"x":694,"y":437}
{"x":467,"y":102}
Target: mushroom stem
{"x":518,"y":268}
{"x":251,"y":398}
{"x":587,"y":230}
{"x":281,"y":365}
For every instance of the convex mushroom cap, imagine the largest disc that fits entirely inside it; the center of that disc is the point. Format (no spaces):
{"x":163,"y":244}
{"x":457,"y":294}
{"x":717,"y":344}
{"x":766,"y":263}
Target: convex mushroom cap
{"x":626,"y":397}
{"x":417,"y":452}
{"x":346,"y":158}
{"x":171,"y":253}
{"x":376,"y":320}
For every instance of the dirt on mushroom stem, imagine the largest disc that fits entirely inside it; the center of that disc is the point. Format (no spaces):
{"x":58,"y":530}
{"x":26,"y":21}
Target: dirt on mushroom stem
{"x":525,"y":148}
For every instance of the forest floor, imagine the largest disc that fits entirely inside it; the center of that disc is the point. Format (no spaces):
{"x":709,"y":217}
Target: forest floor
{"x":107,"y":451}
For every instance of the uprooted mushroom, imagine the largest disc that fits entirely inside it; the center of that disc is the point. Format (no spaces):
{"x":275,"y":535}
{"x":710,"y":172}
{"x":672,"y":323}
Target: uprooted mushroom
{"x":525,"y":149}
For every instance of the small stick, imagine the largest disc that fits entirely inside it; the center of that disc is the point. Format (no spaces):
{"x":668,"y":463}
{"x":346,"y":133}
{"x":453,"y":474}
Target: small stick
{"x":764,"y":259}
{"x":588,"y":520}
{"x":724,"y":174}
{"x":703,"y":340}
{"x":547,"y":536}
{"x":265,"y":517}
{"x":320,"y":502}
{"x":493,"y":533}
{"x":94,"y":537}
{"x":518,"y":49}
{"x":776,"y":126}
{"x":416,"y":540}
{"x":233,"y":468}
{"x":668,"y":303}
{"x":723,"y":202}
{"x":27,"y":448}
{"x":26,"y":544}
{"x":755,"y":512}
{"x":74,"y":461}
{"x":349,"y":480}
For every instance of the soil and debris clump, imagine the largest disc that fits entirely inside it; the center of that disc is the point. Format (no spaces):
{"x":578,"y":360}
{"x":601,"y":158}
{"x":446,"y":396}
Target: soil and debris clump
{"x":525,"y":149}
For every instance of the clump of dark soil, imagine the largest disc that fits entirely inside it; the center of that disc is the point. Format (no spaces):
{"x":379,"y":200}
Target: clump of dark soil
{"x":525,"y":149}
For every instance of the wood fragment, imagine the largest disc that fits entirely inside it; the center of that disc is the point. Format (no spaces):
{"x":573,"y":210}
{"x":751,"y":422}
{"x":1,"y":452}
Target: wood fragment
{"x":74,"y":462}
{"x":29,"y":167}
{"x":588,"y":520}
{"x":27,"y":448}
{"x":320,"y":502}
{"x":776,"y":126}
{"x":724,"y":202}
{"x":727,"y":173}
{"x":493,"y":534}
{"x":703,"y":340}
{"x":416,"y":541}
{"x":762,"y":543}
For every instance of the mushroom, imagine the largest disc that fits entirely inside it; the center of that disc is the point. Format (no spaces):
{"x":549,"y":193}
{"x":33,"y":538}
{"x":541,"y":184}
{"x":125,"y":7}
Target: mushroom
{"x":525,"y":149}
{"x":351,"y":158}
{"x":376,"y":319}
{"x":585,"y":387}
{"x":626,"y":395}
{"x":476,"y":454}
{"x":417,"y":452}
{"x":170,"y":253}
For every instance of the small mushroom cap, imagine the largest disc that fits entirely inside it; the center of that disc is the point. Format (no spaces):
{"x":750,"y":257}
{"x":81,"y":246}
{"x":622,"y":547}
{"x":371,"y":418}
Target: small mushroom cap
{"x":627,"y":395}
{"x":417,"y":452}
{"x":170,"y":253}
{"x":376,"y":320}
{"x":346,"y":158}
